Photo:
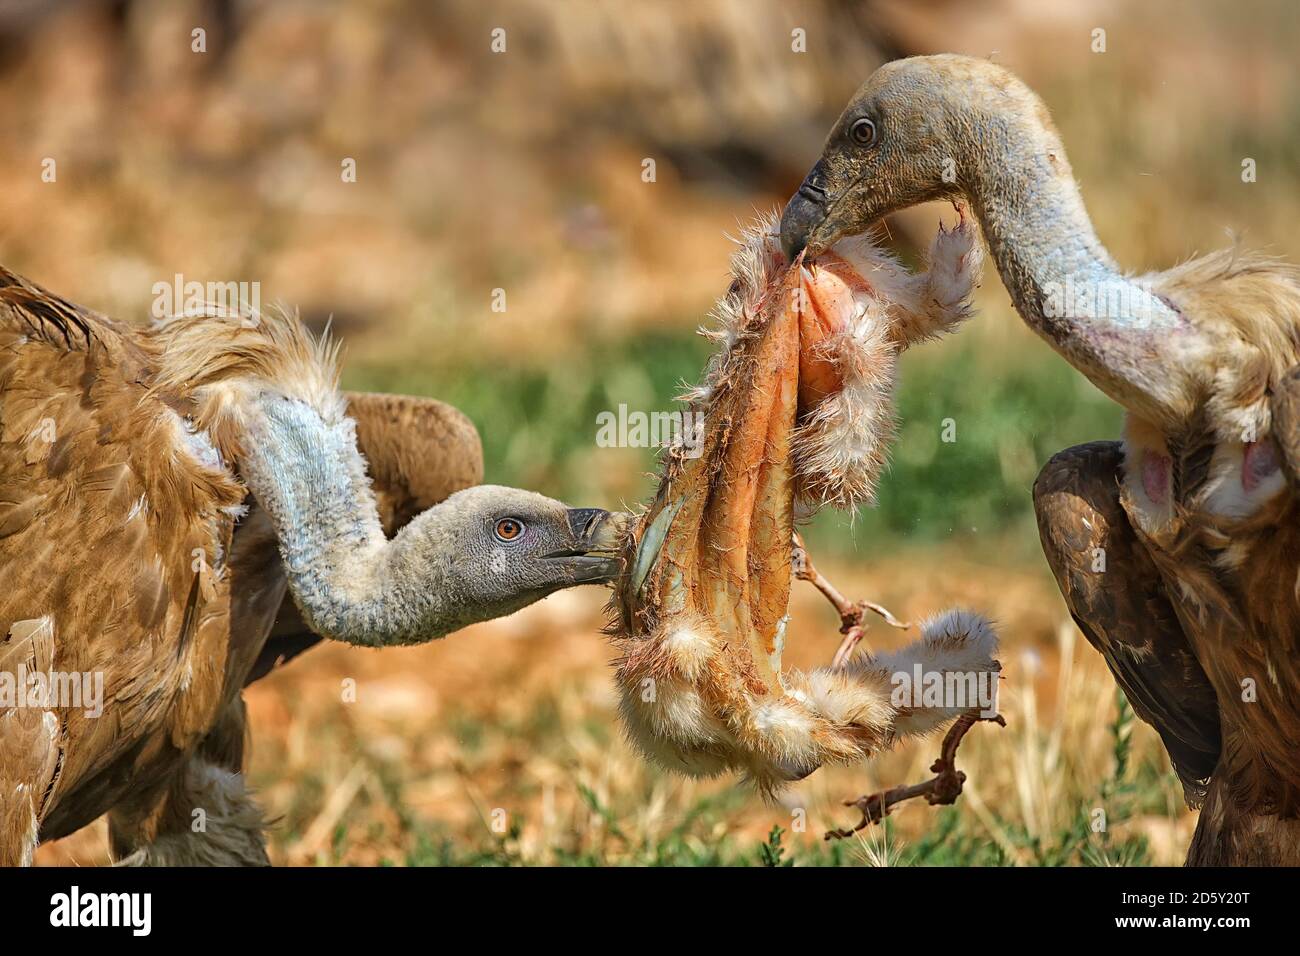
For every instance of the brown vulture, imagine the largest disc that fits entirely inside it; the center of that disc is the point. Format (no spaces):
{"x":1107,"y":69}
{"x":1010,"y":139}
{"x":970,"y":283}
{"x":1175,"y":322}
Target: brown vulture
{"x":1177,"y":548}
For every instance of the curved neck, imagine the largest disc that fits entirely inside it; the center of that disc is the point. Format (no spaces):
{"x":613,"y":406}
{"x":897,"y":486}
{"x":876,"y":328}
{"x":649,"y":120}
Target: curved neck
{"x":1038,"y":232}
{"x":1115,"y":329}
{"x":349,"y":581}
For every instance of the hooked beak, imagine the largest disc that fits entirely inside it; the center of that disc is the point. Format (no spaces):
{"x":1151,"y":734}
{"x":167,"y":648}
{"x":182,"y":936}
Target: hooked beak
{"x":804,"y":213}
{"x":594,"y":557}
{"x":806,"y":223}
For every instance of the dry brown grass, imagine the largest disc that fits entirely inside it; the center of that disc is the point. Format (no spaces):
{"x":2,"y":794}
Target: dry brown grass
{"x":518,"y":715}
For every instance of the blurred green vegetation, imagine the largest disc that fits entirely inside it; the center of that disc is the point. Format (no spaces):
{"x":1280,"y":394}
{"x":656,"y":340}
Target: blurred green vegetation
{"x":1007,"y":415}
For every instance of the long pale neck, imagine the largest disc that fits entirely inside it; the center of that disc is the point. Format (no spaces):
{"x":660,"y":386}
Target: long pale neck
{"x":1127,"y":340}
{"x":350,"y":583}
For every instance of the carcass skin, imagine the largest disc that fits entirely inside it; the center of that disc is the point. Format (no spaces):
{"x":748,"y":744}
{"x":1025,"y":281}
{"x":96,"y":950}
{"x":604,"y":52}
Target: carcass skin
{"x":796,"y":406}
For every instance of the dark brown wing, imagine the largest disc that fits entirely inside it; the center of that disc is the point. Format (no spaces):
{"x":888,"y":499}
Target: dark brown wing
{"x":419,"y":451}
{"x":1117,"y":598}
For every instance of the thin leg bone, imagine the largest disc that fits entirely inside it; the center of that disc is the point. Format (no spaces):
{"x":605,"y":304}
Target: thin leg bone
{"x":851,"y":613}
{"x":942,"y":789}
{"x":844,"y":653}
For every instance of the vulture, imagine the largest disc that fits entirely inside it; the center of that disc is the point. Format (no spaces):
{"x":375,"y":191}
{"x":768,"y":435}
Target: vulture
{"x":798,"y":406}
{"x":1177,"y":547}
{"x":183,"y":506}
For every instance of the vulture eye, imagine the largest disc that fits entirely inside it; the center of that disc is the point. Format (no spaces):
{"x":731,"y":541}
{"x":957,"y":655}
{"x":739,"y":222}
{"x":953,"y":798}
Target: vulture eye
{"x":508,"y":529}
{"x":863,"y":132}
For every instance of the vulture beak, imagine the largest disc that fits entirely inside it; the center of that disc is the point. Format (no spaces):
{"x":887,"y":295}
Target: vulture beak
{"x":597,"y":541}
{"x":804,"y":218}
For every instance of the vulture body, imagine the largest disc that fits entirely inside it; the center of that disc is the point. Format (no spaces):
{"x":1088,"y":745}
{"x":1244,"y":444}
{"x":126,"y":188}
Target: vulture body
{"x":183,"y":507}
{"x":1177,"y":549}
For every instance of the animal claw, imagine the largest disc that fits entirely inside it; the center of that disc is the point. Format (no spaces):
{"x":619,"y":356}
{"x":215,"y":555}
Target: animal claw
{"x":941,"y":790}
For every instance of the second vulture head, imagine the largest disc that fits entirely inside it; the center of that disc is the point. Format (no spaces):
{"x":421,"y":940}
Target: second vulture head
{"x":916,"y":131}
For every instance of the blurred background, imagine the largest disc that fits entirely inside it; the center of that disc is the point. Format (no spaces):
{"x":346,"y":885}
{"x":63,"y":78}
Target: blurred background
{"x":522,"y":171}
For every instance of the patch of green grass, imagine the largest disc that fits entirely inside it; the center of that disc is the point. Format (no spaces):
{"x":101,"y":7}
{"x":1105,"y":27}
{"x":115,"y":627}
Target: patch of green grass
{"x":772,"y":853}
{"x":974,"y":431}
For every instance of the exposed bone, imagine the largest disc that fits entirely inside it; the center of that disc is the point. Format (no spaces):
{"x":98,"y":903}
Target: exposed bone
{"x":851,"y":614}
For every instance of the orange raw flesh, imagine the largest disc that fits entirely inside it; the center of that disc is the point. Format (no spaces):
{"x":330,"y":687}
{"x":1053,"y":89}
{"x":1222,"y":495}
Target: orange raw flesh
{"x":825,"y":305}
{"x":726,"y":557}
{"x":745,"y":534}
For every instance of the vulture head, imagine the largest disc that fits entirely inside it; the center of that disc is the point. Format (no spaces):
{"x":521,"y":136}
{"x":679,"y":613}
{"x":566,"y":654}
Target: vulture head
{"x":955,"y":127}
{"x":916,"y":131}
{"x":504,"y":548}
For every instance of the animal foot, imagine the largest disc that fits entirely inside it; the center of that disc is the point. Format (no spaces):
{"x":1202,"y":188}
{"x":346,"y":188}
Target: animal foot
{"x":956,"y":261}
{"x":941,"y":790}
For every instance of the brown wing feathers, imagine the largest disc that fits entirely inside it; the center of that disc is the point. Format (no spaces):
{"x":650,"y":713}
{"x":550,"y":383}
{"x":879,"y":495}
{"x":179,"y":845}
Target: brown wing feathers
{"x":1116,"y":596}
{"x":46,"y":314}
{"x":103,"y":517}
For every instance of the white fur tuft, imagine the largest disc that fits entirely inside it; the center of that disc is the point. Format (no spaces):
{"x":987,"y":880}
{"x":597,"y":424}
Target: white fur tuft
{"x":959,"y":645}
{"x":842,"y":445}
